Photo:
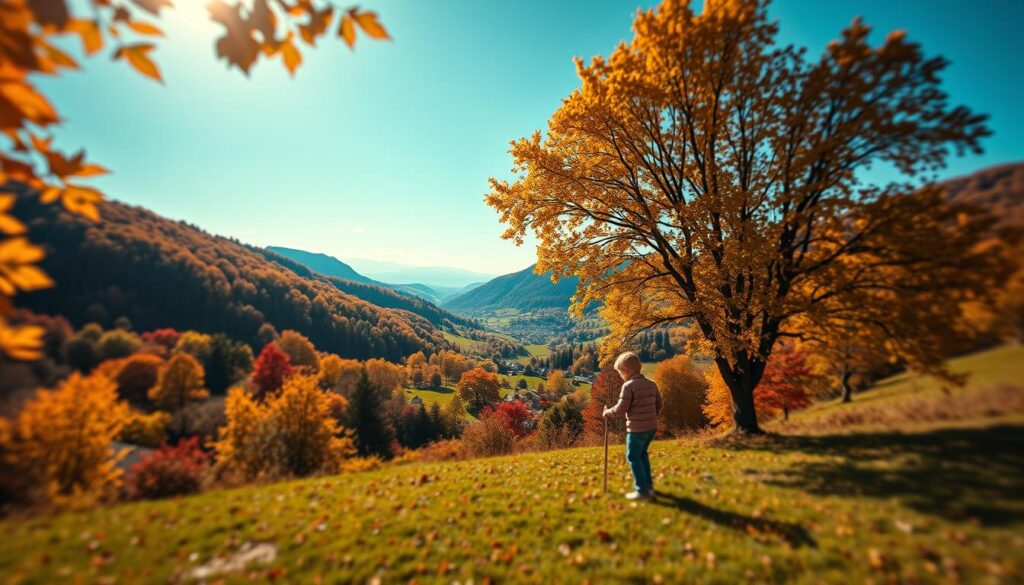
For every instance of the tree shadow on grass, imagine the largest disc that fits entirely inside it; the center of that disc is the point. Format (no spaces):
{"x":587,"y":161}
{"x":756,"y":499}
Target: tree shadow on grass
{"x":957,"y":474}
{"x":794,"y":534}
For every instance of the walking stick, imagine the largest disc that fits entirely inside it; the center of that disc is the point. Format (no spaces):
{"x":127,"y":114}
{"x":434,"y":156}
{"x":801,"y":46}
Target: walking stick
{"x":606,"y":455}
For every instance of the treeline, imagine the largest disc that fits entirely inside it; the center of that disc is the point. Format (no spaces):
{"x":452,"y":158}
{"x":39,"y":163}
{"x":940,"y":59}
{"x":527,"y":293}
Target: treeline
{"x":157,"y":273}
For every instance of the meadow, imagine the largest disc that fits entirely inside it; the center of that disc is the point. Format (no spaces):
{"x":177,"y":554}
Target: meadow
{"x":923,"y":501}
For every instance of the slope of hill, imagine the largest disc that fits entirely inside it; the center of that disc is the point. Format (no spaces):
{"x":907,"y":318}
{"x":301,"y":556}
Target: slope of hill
{"x":999,"y":189}
{"x":521,"y":290}
{"x":376,"y":293}
{"x":162,"y":273}
{"x":322,"y":263}
{"x":434,"y":294}
{"x":939,"y":504}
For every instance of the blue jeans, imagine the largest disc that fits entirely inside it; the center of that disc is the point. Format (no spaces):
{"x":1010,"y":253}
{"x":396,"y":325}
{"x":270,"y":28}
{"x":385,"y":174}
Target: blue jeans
{"x":639,"y":462}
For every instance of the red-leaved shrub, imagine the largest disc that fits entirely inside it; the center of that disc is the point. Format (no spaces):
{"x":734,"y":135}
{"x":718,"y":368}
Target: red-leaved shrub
{"x":169,"y":471}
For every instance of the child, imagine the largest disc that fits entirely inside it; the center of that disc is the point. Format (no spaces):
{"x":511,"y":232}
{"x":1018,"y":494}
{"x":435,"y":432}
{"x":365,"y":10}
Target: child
{"x":641,"y":402}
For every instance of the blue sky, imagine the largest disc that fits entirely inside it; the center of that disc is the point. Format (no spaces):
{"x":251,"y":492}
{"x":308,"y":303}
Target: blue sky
{"x":385,"y":153}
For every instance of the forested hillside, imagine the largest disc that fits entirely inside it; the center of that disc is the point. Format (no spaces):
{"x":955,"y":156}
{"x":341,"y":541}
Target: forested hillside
{"x":161,"y":273}
{"x":521,"y":290}
{"x":379,"y":294}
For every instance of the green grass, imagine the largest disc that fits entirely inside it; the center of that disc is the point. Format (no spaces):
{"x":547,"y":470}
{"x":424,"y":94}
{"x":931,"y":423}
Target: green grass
{"x":936,"y":503}
{"x":993,"y":376}
{"x":537,"y":350}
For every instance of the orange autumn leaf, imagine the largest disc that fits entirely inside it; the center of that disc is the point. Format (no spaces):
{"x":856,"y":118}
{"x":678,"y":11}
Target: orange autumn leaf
{"x":347,"y":31}
{"x":23,"y":343}
{"x":9,"y":224}
{"x":291,"y":56}
{"x":29,"y":102}
{"x":144,"y":28}
{"x":89,"y":32}
{"x":82,"y":201}
{"x":17,"y":267}
{"x":91,"y":170}
{"x":138,"y":57}
{"x":371,"y":26}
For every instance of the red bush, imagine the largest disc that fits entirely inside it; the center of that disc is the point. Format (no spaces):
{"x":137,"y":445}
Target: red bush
{"x":168,"y":471}
{"x":271,"y":368}
{"x":516,"y":418}
{"x":165,"y":337}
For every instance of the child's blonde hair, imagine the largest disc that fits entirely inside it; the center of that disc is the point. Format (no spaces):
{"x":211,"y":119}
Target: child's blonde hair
{"x":627,"y":361}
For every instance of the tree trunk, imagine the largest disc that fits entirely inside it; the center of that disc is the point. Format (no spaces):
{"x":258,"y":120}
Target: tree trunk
{"x":741,"y":382}
{"x":844,"y":381}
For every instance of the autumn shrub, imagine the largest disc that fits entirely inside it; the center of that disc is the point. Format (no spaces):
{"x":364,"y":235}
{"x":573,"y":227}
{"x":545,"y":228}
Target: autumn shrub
{"x":360,"y":464}
{"x":169,"y":471}
{"x":444,"y":450}
{"x":561,"y":426}
{"x":58,"y":450}
{"x":145,"y":430}
{"x":292,"y":434}
{"x":80,"y":352}
{"x":683,"y":389}
{"x":199,"y":419}
{"x":179,"y":383}
{"x":117,"y":343}
{"x":488,"y":437}
{"x":300,"y":350}
{"x":516,"y":417}
{"x":271,"y":368}
{"x":136,"y":376}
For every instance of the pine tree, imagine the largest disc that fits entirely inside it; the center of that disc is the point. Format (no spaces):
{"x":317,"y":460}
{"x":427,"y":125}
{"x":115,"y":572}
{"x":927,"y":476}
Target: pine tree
{"x":374,"y":432}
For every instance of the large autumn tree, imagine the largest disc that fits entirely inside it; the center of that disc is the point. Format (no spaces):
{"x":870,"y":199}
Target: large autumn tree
{"x":702,"y":173}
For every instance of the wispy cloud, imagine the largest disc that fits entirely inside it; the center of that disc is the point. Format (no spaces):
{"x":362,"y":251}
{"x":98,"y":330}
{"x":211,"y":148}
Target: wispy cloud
{"x":358,"y":230}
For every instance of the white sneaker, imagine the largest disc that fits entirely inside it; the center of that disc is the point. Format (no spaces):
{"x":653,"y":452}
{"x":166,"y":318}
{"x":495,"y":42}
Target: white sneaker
{"x":638,"y":496}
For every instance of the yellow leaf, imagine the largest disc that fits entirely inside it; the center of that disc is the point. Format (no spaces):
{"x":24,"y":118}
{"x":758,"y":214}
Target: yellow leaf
{"x":144,"y":28}
{"x":82,"y":201}
{"x":137,"y":56}
{"x":17,"y":269}
{"x":291,"y":56}
{"x":24,"y":343}
{"x":347,"y":31}
{"x":369,"y":23}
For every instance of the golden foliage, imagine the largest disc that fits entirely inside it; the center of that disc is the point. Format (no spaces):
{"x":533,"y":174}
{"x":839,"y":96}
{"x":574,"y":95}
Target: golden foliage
{"x":147,"y":430}
{"x":556,"y":383}
{"x":58,"y":450}
{"x":300,"y":350}
{"x":704,"y":173}
{"x":179,"y":383}
{"x":683,"y":389}
{"x":294,"y":433}
{"x":717,"y":405}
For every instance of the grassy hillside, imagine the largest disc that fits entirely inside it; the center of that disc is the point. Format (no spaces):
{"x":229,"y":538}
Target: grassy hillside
{"x":994,"y":387}
{"x":937,"y":503}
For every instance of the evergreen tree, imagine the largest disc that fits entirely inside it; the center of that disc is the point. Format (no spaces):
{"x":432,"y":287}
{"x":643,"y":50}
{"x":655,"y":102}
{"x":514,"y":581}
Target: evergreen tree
{"x":366,"y":417}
